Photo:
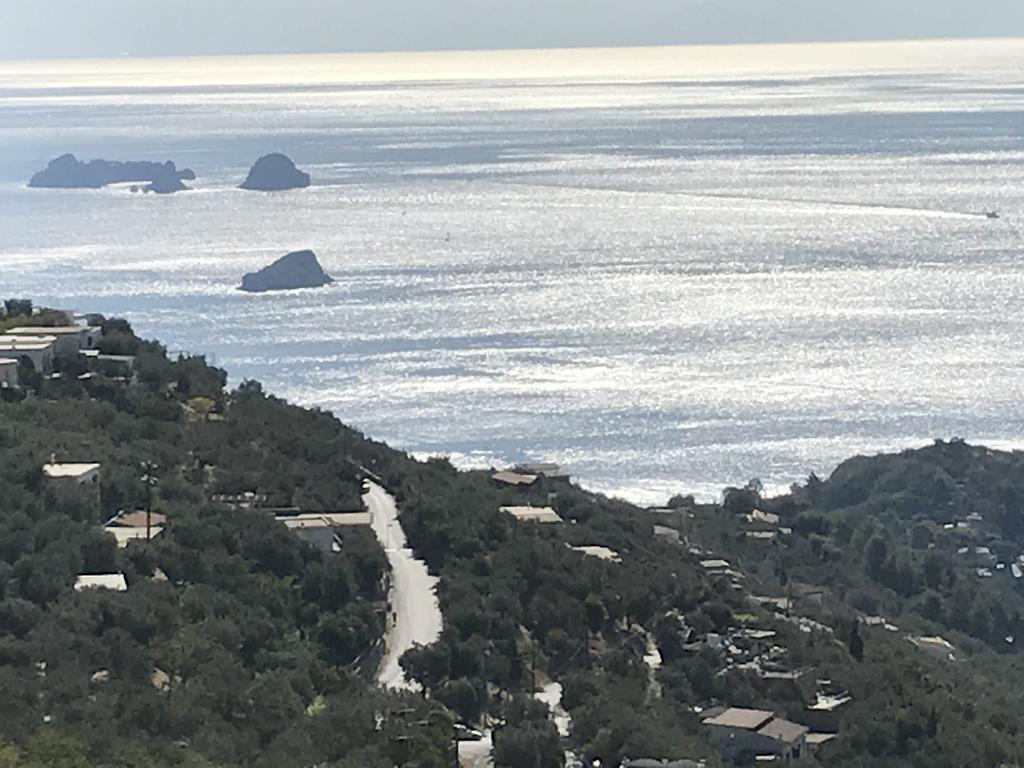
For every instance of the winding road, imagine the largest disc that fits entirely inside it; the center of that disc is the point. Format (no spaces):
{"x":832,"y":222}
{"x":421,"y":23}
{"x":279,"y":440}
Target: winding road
{"x":415,"y":617}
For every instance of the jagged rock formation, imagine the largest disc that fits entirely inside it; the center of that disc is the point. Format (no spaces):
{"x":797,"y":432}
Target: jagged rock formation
{"x":273,"y":173}
{"x":68,"y":172}
{"x":299,"y":269}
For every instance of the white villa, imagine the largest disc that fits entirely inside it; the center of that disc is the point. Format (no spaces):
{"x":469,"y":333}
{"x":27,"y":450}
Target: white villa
{"x":114,"y":581}
{"x":82,"y":474}
{"x":69,"y":338}
{"x":39,"y":350}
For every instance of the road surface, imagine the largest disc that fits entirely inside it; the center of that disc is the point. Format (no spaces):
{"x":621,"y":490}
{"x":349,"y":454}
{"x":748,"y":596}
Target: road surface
{"x":414,"y":618}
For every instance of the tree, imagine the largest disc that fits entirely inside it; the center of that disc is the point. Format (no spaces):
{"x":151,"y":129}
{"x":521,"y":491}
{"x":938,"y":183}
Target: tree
{"x":856,"y":643}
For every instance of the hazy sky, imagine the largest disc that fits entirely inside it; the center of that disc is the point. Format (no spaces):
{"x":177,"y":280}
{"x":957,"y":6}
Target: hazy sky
{"x":74,"y":28}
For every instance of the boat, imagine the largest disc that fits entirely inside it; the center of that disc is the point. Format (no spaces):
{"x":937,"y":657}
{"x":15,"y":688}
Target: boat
{"x":991,"y":214}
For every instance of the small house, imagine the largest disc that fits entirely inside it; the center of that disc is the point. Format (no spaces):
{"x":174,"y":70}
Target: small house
{"x":114,"y":581}
{"x":744,"y":734}
{"x":543,"y":515}
{"x":78,"y":473}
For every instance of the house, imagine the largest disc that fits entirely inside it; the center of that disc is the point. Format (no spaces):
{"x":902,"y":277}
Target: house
{"x":601,"y":553}
{"x":529,"y":514}
{"x":757,"y":517}
{"x":936,"y":647}
{"x":547,"y":469}
{"x":80,"y":474}
{"x":69,"y":338}
{"x":124,"y":535}
{"x":670,"y":535}
{"x":314,"y":519}
{"x":715,"y":567}
{"x":508,"y":477}
{"x":37,"y":350}
{"x":137,"y":519}
{"x":114,"y":581}
{"x":8,"y":373}
{"x":318,"y":528}
{"x":742,"y":734}
{"x":246,"y":500}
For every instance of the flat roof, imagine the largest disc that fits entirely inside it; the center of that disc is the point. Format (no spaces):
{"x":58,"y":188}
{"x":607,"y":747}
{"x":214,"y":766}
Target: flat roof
{"x":781,"y":729}
{"x":68,"y":470}
{"x":513,"y":478}
{"x":819,"y":738}
{"x":714,"y":564}
{"x":34,"y":344}
{"x":50,"y":330}
{"x":533,"y":514}
{"x":137,"y":519}
{"x":745,"y":719}
{"x":113,"y":581}
{"x":320,"y":519}
{"x":601,"y":553}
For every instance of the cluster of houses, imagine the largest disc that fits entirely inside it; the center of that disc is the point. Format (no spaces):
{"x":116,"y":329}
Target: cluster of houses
{"x":38,"y":347}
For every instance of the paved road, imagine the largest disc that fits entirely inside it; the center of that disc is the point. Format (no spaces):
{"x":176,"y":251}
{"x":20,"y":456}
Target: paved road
{"x":415,"y":617}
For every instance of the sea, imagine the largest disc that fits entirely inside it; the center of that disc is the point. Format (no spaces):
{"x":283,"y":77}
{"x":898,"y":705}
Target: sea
{"x":670,"y":270}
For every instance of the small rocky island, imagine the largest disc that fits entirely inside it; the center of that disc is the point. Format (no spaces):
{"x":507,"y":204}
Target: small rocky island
{"x":68,"y":172}
{"x":299,"y":269}
{"x":273,"y":173}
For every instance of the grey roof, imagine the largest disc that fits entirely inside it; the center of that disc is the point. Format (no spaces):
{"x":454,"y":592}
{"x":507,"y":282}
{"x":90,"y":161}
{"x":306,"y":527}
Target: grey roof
{"x":783,"y":730}
{"x":737,"y":717}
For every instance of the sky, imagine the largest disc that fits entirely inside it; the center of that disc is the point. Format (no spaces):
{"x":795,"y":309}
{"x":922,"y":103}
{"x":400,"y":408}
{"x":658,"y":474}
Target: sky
{"x":85,"y":28}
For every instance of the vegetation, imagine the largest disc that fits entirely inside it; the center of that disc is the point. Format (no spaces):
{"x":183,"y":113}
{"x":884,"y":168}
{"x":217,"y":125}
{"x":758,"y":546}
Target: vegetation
{"x":238,"y":644}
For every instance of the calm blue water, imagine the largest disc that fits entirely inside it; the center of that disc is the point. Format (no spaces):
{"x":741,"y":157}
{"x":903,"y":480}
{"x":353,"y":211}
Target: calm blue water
{"x":670,"y":270}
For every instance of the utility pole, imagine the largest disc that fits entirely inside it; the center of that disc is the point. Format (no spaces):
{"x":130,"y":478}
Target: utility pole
{"x":150,"y":479}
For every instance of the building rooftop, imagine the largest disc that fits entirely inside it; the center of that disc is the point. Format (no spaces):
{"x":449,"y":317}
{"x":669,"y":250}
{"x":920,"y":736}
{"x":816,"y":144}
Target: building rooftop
{"x":320,"y":519}
{"x":783,"y":730}
{"x":20,"y":343}
{"x":8,"y":361}
{"x":533,"y":514}
{"x":137,"y":519}
{"x":601,"y":553}
{"x":714,"y":565}
{"x":68,"y":470}
{"x":113,"y":581}
{"x":50,"y":330}
{"x":815,"y":739}
{"x":744,"y":719}
{"x":513,"y":478}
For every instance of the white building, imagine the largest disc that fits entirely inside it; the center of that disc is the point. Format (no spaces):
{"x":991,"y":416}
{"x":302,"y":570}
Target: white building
{"x":533,"y":514}
{"x":70,"y":338}
{"x":114,"y":581}
{"x":39,"y":350}
{"x":8,"y":373}
{"x":82,"y":474}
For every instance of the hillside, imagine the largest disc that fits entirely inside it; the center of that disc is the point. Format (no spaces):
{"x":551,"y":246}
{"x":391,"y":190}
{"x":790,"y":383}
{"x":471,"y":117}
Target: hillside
{"x":606,"y":632}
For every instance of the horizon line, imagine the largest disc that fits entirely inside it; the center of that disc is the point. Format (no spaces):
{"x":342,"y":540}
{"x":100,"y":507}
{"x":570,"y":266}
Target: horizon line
{"x":129,"y":56}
